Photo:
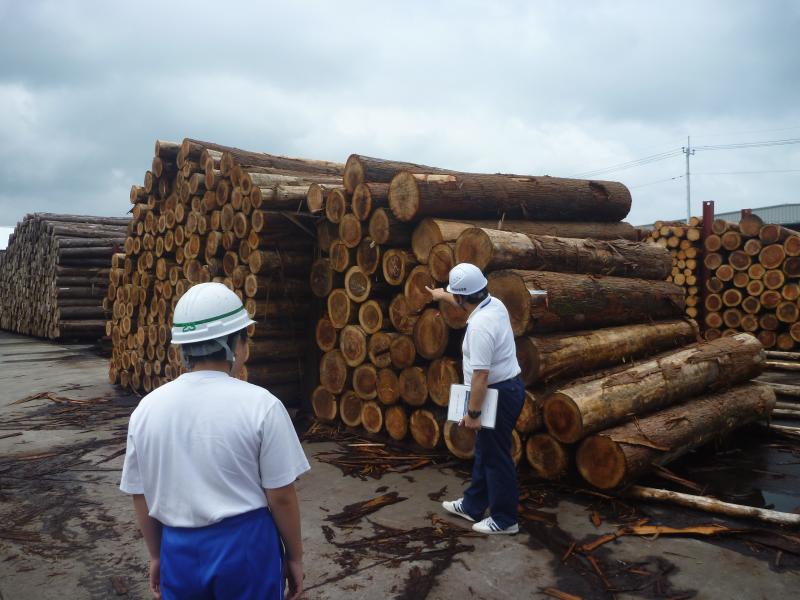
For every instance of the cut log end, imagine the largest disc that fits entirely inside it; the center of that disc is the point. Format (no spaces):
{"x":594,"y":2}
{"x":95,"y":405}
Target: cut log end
{"x":460,"y":441}
{"x":548,"y":458}
{"x":563,"y":418}
{"x":425,"y":429}
{"x":404,"y":196}
{"x":601,"y":462}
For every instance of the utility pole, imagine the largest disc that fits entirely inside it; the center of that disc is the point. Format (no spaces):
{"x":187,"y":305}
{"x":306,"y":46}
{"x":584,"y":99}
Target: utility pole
{"x":687,"y":150}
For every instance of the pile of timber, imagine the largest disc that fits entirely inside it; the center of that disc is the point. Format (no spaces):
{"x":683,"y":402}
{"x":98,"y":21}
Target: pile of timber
{"x":683,"y":240}
{"x":754,"y":282}
{"x":54,"y":275}
{"x":208,"y":212}
{"x":390,"y":356}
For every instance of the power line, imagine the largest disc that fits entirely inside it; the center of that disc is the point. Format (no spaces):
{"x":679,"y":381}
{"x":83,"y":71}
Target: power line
{"x":746,"y":172}
{"x":633,"y":187}
{"x":750,"y":144}
{"x":746,"y":132}
{"x":630,"y":164}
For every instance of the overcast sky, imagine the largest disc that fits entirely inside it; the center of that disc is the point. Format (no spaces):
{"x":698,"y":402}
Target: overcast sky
{"x":557,"y":88}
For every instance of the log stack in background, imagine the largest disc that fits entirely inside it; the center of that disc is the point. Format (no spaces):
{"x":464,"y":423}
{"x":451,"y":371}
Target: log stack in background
{"x":754,"y":282}
{"x":683,"y":240}
{"x":54,"y":275}
{"x":208,"y":212}
{"x":389,"y":356}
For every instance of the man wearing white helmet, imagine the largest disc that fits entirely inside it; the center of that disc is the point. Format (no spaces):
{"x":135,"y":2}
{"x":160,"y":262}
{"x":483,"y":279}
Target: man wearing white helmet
{"x":211,"y":463}
{"x":490,"y":360}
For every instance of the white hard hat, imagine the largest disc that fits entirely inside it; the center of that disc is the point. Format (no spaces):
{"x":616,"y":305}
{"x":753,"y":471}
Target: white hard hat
{"x":206,"y":312}
{"x":466,"y":279}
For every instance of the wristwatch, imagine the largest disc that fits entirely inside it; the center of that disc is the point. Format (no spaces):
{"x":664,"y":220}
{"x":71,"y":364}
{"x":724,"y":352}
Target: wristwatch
{"x":474,"y":414}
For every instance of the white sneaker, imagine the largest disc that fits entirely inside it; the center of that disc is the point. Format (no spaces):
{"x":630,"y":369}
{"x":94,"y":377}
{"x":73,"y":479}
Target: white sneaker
{"x":489,"y":527}
{"x":456,"y":507}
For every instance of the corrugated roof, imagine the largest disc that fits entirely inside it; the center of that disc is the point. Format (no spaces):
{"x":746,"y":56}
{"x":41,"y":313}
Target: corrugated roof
{"x":780,"y":214}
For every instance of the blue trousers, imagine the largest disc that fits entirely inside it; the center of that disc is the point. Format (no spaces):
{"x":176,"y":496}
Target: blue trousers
{"x":238,"y":558}
{"x":494,"y":476}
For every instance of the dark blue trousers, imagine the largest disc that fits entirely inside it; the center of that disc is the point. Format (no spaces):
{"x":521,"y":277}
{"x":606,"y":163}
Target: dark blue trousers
{"x":494,"y":476}
{"x":238,"y":558}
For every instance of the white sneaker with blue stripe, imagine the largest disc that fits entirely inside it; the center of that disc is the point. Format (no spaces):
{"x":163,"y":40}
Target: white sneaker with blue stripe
{"x":489,"y":527}
{"x":456,"y":507}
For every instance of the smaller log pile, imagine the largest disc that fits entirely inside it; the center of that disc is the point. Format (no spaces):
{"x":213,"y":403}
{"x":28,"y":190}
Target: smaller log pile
{"x":54,"y":275}
{"x":208,"y":212}
{"x":754,"y":282}
{"x":683,"y":240}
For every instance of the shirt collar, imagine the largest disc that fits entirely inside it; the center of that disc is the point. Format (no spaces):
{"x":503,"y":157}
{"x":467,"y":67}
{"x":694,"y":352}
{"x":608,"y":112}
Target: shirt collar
{"x":483,"y":304}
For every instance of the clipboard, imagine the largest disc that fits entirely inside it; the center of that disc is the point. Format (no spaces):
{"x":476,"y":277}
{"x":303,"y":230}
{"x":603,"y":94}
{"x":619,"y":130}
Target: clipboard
{"x":459,"y":402}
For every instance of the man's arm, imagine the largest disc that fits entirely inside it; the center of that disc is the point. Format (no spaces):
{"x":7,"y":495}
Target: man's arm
{"x":477,"y":394}
{"x":151,"y":530}
{"x":286,"y":512}
{"x":441,"y":294}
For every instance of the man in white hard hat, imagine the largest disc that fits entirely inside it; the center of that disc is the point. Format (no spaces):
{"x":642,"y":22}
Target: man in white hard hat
{"x":211,"y":463}
{"x":489,"y":360}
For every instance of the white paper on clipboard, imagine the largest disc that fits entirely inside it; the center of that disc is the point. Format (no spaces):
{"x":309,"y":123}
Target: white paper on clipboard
{"x":459,"y":401}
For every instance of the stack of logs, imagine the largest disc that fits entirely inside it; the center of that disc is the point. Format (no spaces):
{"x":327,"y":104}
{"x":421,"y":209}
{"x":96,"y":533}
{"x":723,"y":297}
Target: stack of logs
{"x":54,"y":275}
{"x":753,"y":283}
{"x":390,"y":357}
{"x":214,"y":213}
{"x":683,"y":240}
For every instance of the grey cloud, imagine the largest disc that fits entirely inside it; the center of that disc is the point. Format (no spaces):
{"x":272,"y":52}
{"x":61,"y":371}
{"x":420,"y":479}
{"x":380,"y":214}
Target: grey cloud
{"x":515,"y":86}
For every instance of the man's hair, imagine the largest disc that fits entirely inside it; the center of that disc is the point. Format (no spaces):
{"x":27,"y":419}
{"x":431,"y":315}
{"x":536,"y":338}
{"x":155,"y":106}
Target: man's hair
{"x":477,"y":297}
{"x":232,"y":340}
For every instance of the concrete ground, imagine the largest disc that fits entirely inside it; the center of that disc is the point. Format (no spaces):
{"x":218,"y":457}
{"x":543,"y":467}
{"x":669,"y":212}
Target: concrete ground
{"x":67,"y":532}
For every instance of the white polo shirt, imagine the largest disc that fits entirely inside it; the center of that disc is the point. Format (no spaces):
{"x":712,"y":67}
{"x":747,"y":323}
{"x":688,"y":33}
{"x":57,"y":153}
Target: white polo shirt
{"x":489,"y":343}
{"x":203,"y":448}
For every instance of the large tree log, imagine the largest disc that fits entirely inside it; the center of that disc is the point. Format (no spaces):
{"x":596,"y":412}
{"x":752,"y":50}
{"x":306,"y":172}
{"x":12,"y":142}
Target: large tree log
{"x":378,"y":348}
{"x":531,"y":418}
{"x":434,"y":231}
{"x":491,"y":250}
{"x":367,"y":197}
{"x":324,"y":404}
{"x":372,"y":416}
{"x":365,"y":381}
{"x":326,"y":335}
{"x":426,"y":428}
{"x":397,"y":264}
{"x":412,"y":196}
{"x":620,"y":455}
{"x":402,"y":351}
{"x":333,"y":372}
{"x":401,"y":315}
{"x":565,"y":355}
{"x":388,"y":387}
{"x":368,"y":255}
{"x":396,"y":422}
{"x":579,"y":410}
{"x":413,"y":386}
{"x":387,"y":230}
{"x":373,"y":315}
{"x":582,"y":301}
{"x":350,"y":408}
{"x":441,"y":260}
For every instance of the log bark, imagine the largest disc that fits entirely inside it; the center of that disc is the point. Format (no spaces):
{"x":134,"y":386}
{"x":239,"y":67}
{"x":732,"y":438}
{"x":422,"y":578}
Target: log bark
{"x":579,"y":410}
{"x":491,"y":250}
{"x":566,"y":355}
{"x":531,"y":418}
{"x":432,"y":231}
{"x":582,"y":301}
{"x":620,"y":455}
{"x":414,"y":196}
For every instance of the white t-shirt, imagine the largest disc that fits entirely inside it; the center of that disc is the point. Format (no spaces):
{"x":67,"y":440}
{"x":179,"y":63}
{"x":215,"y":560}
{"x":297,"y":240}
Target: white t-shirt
{"x":489,"y":343}
{"x":203,"y":448}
